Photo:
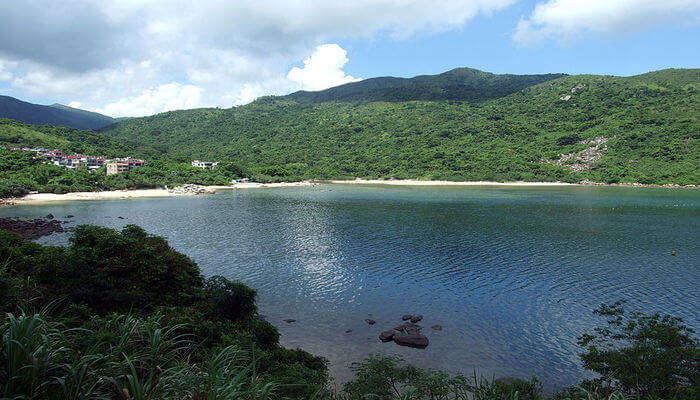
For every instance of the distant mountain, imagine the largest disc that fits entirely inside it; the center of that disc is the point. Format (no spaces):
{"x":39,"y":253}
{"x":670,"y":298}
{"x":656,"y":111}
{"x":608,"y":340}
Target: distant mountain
{"x":55,"y":114}
{"x":465,"y":84}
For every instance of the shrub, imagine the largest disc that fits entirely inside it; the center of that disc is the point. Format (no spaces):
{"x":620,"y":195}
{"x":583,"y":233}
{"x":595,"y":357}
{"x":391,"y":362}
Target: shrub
{"x":645,"y":355}
{"x":233,"y":300}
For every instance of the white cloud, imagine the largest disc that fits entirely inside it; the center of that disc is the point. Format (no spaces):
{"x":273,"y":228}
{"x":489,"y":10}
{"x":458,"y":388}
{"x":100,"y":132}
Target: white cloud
{"x":107,"y":53}
{"x":169,"y":96}
{"x":323,"y":69}
{"x":568,"y":19}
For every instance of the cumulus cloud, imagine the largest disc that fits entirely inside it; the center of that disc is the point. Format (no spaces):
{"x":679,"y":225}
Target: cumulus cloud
{"x":323,"y":69}
{"x":568,"y":19}
{"x":112,"y":53}
{"x":169,"y":96}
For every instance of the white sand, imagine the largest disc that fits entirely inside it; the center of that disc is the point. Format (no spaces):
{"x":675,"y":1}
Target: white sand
{"x":413,"y":182}
{"x":140,"y":193}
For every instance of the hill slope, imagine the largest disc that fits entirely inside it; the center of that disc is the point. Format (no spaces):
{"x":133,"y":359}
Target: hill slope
{"x":648,"y":124}
{"x":56,"y":114}
{"x":457,"y":84}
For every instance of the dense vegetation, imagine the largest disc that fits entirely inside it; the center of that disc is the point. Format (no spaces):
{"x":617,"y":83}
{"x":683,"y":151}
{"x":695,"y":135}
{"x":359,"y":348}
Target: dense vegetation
{"x":121,"y":315}
{"x":55,"y":114}
{"x":651,"y":121}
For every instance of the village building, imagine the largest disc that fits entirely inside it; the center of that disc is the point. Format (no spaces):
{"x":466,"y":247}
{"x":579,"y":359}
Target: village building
{"x":204,"y":164}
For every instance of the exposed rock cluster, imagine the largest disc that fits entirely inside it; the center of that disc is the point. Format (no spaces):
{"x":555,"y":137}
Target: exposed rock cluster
{"x":408,"y":333}
{"x":32,"y":228}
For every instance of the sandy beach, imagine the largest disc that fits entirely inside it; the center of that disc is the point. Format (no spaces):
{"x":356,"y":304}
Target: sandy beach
{"x":413,"y":182}
{"x":140,"y":193}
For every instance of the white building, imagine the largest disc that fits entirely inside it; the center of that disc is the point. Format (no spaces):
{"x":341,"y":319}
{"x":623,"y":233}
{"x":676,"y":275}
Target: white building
{"x":204,"y":164}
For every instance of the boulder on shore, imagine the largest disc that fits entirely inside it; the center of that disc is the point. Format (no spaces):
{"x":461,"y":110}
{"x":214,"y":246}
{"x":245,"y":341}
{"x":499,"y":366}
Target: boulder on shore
{"x":415,"y":340}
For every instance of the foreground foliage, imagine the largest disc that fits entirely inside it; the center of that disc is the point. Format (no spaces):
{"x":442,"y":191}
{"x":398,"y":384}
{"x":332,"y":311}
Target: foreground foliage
{"x":123,"y":315}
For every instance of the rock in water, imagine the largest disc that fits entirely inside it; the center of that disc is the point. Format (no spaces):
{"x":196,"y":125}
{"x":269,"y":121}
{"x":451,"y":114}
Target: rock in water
{"x":387,"y":336}
{"x":415,"y":340}
{"x":50,"y":216}
{"x":410,"y":327}
{"x":407,"y":317}
{"x":437,"y":327}
{"x":290,"y":320}
{"x":400,"y":328}
{"x":416,"y":318}
{"x":370,"y":321}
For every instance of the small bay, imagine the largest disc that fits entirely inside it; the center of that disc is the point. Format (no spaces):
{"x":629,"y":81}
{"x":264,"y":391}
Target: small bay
{"x":510,"y":273}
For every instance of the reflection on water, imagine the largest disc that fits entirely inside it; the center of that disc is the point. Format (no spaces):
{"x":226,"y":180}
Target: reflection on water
{"x":511,"y":274}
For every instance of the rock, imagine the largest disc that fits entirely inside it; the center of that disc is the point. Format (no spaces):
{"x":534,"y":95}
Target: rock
{"x":400,"y":328}
{"x":387,"y":336}
{"x":436,"y":327}
{"x":70,"y":216}
{"x":370,"y":321}
{"x":289,"y":320}
{"x":407,"y":317}
{"x":410,"y":327}
{"x":50,"y":216}
{"x":33,"y":228}
{"x":415,"y":340}
{"x":416,"y":318}
{"x":120,"y":217}
{"x":348,"y":331}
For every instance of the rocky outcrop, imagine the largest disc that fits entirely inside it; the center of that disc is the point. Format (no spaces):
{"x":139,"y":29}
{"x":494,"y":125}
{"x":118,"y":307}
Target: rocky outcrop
{"x":190,"y":189}
{"x":33,"y":228}
{"x":584,"y":159}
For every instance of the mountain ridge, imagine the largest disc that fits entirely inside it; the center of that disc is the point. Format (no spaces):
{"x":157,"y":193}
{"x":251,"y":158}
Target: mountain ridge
{"x":55,"y":114}
{"x":461,"y":84}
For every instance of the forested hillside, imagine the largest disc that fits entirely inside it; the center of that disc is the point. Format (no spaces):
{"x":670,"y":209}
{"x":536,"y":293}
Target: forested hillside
{"x":642,"y":129}
{"x":56,"y":114}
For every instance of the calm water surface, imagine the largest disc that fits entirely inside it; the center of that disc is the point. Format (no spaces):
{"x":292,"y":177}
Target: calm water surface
{"x":511,"y":273}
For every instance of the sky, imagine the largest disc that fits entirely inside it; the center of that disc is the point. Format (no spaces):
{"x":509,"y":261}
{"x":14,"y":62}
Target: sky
{"x":141,"y":57}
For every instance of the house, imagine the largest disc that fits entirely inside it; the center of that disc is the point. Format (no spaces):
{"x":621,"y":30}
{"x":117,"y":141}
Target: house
{"x":116,"y":167}
{"x":204,"y":164}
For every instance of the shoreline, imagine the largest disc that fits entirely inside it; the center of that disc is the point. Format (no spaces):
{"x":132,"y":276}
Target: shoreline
{"x":162,"y":192}
{"x":138,"y":193}
{"x":416,"y":182}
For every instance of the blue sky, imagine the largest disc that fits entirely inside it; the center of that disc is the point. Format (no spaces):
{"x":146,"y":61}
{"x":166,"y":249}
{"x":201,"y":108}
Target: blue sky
{"x":486,"y":43}
{"x":131,"y":58}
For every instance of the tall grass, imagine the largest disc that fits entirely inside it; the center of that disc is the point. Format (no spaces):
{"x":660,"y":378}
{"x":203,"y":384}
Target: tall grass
{"x":118,"y":357}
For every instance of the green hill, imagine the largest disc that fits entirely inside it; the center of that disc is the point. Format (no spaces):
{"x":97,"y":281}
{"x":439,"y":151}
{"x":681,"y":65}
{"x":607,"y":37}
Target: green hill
{"x":647,"y":127}
{"x":56,"y":114}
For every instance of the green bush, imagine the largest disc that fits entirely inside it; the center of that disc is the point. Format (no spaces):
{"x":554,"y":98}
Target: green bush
{"x":233,"y":300}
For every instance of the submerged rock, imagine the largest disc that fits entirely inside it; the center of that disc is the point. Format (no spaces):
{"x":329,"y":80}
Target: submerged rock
{"x":416,"y":318}
{"x":436,"y":327}
{"x":289,"y":320}
{"x":33,"y":228}
{"x":415,"y":340}
{"x":407,"y":317}
{"x":387,"y":336}
{"x":370,"y":321}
